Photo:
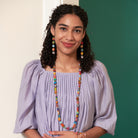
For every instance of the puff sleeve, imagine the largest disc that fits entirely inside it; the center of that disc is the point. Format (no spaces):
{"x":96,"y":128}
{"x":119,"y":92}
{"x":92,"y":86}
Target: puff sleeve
{"x":26,"y":118}
{"x":105,"y":110}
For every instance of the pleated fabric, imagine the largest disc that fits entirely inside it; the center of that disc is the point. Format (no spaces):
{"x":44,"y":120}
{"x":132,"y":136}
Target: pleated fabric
{"x":37,"y":104}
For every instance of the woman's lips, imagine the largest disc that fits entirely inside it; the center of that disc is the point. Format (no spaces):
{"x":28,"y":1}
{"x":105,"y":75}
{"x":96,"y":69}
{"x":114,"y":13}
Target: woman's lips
{"x":68,"y":44}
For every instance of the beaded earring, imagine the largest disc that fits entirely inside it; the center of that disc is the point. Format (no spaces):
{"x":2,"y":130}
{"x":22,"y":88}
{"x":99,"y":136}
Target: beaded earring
{"x":53,"y":45}
{"x":81,"y":53}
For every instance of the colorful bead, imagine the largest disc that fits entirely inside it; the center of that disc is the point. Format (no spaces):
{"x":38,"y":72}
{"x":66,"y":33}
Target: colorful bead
{"x":53,"y":45}
{"x":76,"y":119}
{"x":62,"y":125}
{"x":77,"y":113}
{"x":81,"y":53}
{"x":74,"y":125}
{"x":59,"y":119}
{"x":77,"y":100}
{"x":82,"y":50}
{"x":67,"y":128}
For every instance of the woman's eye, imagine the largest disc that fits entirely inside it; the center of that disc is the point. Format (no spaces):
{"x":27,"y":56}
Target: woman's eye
{"x":78,"y":31}
{"x":62,"y":28}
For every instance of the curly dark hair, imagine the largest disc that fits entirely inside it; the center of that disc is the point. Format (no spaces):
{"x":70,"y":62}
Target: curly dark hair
{"x":47,"y":58}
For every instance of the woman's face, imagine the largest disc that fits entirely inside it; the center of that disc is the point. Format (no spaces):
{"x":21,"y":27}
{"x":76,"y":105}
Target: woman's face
{"x":69,"y":33}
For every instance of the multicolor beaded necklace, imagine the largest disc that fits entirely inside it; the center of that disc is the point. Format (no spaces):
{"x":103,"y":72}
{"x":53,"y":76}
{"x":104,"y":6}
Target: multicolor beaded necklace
{"x":77,"y":100}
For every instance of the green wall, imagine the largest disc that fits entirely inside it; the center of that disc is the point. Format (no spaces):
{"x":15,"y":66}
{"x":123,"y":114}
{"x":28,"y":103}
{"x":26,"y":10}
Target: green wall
{"x":113,"y":32}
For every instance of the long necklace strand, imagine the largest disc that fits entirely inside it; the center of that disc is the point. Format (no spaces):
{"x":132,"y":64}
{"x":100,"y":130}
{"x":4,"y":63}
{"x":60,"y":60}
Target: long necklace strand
{"x":77,"y":100}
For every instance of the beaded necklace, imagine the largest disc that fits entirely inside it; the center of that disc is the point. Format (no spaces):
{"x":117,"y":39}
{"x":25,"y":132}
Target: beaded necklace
{"x":77,"y":100}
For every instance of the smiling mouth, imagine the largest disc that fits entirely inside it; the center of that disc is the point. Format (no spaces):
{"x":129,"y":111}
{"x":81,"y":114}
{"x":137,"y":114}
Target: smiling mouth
{"x":68,"y":44}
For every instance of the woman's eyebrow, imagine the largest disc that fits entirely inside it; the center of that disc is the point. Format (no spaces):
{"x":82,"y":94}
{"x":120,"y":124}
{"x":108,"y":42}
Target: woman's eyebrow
{"x":68,"y":26}
{"x":63,"y":25}
{"x":78,"y":27}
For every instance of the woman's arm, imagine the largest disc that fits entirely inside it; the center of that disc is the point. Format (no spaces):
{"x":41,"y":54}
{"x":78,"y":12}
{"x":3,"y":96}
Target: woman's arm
{"x":94,"y":132}
{"x":31,"y":133}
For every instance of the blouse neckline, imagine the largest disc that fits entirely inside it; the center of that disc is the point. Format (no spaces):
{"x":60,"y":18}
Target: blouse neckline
{"x":58,"y":73}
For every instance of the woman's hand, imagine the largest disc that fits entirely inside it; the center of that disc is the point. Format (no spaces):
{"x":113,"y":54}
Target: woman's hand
{"x":62,"y":134}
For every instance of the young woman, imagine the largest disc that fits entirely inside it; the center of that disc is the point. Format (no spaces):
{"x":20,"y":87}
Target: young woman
{"x":67,"y":93}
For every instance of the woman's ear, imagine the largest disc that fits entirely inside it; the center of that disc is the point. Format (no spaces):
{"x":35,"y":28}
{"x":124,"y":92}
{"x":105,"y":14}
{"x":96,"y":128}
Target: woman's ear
{"x":52,"y":30}
{"x":83,"y":34}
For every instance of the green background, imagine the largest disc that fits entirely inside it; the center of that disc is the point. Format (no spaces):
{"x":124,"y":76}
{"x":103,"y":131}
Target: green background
{"x":113,"y":32}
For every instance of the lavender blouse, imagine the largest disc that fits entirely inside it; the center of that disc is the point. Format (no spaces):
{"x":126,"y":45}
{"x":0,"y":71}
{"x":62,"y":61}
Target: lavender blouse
{"x":37,"y":106}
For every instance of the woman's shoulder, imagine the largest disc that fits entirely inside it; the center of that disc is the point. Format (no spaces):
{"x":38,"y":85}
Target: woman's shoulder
{"x":34,"y":62}
{"x":98,"y":68}
{"x":99,"y":65}
{"x":33,"y":66}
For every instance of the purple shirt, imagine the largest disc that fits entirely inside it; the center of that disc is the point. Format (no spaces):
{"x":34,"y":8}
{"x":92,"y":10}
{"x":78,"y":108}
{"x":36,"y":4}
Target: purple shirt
{"x":37,"y":106}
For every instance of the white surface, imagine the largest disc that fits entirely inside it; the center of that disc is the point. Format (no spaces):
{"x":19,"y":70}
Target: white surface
{"x":21,"y":30}
{"x":48,"y":6}
{"x":73,"y":2}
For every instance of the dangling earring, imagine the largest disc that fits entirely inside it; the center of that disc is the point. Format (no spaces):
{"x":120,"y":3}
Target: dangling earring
{"x":81,"y":53}
{"x":53,"y":45}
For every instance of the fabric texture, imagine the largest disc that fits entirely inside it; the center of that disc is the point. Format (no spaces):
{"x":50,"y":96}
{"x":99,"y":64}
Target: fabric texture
{"x":37,"y":106}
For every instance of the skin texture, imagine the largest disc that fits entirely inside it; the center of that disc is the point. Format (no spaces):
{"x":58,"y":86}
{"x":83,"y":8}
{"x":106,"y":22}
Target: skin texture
{"x":68,"y":31}
{"x":94,"y":132}
{"x":31,"y":133}
{"x":68,"y":34}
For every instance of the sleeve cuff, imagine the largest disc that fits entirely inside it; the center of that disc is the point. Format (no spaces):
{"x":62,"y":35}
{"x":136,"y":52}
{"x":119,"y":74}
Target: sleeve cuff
{"x":109,"y":128}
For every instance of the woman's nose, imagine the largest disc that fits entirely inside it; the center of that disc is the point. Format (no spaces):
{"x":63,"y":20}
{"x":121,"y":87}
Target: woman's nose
{"x":69,"y":35}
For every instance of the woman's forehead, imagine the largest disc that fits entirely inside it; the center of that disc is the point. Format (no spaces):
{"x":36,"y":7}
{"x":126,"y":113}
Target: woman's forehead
{"x":70,"y":20}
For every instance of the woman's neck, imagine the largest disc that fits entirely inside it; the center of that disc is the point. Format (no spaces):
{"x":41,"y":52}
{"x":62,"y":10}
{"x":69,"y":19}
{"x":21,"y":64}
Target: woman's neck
{"x":67,"y":64}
